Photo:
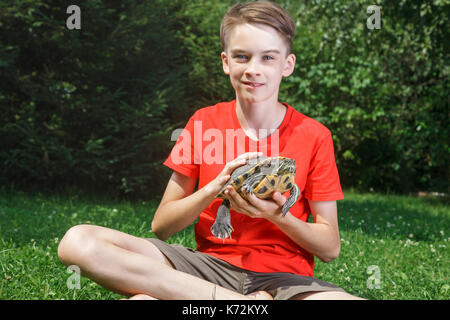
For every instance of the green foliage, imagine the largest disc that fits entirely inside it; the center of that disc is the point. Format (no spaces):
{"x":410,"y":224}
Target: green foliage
{"x":91,"y":108}
{"x":383,"y":93}
{"x":94,"y":108}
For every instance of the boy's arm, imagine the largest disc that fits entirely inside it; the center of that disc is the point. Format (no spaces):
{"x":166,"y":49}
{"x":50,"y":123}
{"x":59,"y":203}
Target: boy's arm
{"x":174,"y":214}
{"x":180,"y":206}
{"x":320,"y":238}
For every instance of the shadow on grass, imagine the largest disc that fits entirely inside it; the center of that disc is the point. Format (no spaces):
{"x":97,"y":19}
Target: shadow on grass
{"x":394,"y":217}
{"x":26,"y":217}
{"x":43,"y":218}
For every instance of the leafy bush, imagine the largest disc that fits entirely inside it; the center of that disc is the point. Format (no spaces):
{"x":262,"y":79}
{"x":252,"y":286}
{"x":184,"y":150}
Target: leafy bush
{"x":383,"y":93}
{"x":94,"y":108}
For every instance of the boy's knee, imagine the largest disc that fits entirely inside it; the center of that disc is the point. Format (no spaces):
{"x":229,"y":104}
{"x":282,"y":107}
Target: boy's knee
{"x":76,"y":243}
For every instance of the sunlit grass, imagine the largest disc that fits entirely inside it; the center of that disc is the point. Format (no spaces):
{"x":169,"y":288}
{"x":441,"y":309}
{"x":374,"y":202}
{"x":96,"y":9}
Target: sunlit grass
{"x":392,"y":247}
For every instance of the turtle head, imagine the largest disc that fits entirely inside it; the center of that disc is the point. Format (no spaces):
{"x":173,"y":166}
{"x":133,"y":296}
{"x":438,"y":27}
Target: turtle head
{"x":286,"y":165}
{"x":278,"y":165}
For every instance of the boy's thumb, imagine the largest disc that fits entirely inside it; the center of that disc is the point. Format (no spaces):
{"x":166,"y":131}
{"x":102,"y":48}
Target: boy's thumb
{"x":278,"y":198}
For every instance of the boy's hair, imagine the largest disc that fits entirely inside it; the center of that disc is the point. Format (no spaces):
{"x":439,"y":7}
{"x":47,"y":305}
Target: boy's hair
{"x":264,"y":12}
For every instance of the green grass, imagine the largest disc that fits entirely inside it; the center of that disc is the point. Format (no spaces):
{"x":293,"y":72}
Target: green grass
{"x":404,"y":239}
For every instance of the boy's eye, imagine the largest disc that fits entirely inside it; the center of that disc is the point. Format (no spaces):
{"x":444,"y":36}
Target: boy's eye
{"x":267,"y":58}
{"x":241,"y":57}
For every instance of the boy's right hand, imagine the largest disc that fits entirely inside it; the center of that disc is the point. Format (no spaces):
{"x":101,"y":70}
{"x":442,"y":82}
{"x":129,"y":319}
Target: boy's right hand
{"x":214,"y":187}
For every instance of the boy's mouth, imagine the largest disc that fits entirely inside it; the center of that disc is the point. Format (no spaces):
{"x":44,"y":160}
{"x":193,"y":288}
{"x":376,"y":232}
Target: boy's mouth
{"x":252,"y":85}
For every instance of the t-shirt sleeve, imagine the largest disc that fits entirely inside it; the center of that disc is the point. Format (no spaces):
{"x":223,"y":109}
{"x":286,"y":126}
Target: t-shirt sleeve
{"x":323,"y":182}
{"x":184,"y":158}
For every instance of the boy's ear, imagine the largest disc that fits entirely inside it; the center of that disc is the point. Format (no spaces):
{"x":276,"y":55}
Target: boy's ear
{"x":225,"y":66}
{"x":289,"y":65}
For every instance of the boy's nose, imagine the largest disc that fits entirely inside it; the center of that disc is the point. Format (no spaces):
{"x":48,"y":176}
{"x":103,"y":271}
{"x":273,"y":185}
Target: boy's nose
{"x":252,"y":68}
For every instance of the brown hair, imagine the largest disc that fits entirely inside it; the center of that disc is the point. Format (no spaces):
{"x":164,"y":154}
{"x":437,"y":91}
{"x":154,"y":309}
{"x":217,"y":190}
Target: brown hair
{"x":264,"y":12}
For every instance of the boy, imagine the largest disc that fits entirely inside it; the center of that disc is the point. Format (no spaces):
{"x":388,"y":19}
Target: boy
{"x":268,"y":256}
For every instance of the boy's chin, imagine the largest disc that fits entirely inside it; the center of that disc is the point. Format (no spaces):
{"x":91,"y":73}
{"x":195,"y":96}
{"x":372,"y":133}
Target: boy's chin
{"x":253,"y":98}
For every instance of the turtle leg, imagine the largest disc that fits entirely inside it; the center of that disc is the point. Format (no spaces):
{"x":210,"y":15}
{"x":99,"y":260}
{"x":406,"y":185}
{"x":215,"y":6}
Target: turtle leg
{"x":222,"y":225}
{"x":293,"y":197}
{"x":249,"y":185}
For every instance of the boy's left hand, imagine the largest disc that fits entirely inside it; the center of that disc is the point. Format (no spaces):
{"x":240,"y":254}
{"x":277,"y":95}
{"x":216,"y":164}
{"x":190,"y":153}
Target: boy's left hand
{"x":269,"y":209}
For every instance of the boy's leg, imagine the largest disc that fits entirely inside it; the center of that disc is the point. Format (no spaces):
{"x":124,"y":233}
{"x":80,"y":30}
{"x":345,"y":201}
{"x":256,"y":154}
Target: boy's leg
{"x":130,"y":265}
{"x":326,"y":295}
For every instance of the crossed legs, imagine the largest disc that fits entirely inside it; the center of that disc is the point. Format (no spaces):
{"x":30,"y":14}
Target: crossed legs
{"x":130,"y":266}
{"x":134,"y":267}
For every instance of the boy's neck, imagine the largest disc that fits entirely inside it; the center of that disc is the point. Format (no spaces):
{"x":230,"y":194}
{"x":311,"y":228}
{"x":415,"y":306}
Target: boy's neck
{"x":267,"y":115}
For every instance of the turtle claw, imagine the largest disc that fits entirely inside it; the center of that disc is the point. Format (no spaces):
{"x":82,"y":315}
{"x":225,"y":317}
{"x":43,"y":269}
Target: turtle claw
{"x":222,"y":230}
{"x":222,"y":225}
{"x":247,"y":190}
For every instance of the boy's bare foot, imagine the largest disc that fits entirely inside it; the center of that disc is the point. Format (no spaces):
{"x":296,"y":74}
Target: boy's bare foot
{"x":140,"y":297}
{"x":260,"y":295}
{"x":257,"y":295}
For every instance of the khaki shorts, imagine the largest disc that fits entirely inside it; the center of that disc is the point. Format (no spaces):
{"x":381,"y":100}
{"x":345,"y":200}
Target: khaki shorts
{"x":281,"y":285}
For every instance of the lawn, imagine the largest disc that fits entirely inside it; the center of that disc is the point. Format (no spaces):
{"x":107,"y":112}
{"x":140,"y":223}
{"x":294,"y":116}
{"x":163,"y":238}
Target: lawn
{"x":392,"y":247}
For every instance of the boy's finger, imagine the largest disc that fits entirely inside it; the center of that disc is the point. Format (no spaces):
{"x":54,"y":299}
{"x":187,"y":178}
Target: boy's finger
{"x":250,"y":155}
{"x":234,"y":196}
{"x":241,"y":160}
{"x":232,"y":165}
{"x":254,"y":200}
{"x":278,"y":198}
{"x":233,"y":203}
{"x":240,"y":202}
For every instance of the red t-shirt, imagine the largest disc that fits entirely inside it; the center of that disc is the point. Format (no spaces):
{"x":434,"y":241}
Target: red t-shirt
{"x":212,"y":137}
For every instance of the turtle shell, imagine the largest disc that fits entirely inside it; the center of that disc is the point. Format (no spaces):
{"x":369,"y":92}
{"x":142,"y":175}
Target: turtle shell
{"x":278,"y":174}
{"x":271,"y":183}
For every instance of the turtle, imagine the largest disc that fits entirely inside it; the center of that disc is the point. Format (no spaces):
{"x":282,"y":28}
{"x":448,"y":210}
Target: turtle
{"x":260,"y":176}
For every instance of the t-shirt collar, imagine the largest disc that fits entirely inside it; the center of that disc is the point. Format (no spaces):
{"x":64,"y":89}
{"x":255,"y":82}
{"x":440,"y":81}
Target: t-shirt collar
{"x":280,"y":129}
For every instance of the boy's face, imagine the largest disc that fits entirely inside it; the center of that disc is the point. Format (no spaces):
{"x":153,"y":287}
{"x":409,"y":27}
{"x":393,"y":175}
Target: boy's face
{"x":256,"y":60}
